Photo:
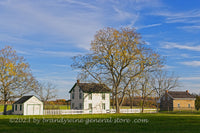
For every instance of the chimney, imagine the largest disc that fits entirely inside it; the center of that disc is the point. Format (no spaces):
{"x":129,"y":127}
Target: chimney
{"x":187,"y":91}
{"x":77,"y":81}
{"x":166,"y":91}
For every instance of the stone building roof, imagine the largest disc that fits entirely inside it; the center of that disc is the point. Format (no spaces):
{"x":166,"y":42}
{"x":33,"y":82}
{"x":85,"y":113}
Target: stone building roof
{"x":180,"y":94}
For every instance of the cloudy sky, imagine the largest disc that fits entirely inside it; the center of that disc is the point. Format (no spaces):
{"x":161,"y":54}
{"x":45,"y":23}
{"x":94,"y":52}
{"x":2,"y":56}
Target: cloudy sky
{"x":49,"y":33}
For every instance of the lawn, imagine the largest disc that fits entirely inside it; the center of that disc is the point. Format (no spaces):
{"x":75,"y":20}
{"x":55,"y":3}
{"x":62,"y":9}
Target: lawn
{"x":161,"y":122}
{"x":9,"y":107}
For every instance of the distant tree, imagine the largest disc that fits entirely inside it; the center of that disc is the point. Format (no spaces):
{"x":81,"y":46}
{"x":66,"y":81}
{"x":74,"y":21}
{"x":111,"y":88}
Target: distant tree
{"x":16,"y":78}
{"x":133,"y":90}
{"x":197,"y":102}
{"x":46,"y":91}
{"x":146,"y":88}
{"x":116,"y":58}
{"x":161,"y":81}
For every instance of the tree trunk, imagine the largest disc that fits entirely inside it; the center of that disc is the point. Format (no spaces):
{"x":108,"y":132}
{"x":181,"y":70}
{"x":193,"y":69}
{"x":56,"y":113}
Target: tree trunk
{"x":113,"y":103}
{"x":5,"y":109}
{"x":132,"y":96}
{"x":5,"y":104}
{"x":117,"y":104}
{"x":143,"y":101}
{"x":131,"y":102}
{"x":157,"y":103}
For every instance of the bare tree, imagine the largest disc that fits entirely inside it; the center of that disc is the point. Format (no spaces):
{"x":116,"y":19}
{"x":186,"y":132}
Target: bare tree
{"x":133,"y":89}
{"x":161,"y":81}
{"x":46,"y":91}
{"x":146,"y":88}
{"x":116,"y":55}
{"x":15,"y":76}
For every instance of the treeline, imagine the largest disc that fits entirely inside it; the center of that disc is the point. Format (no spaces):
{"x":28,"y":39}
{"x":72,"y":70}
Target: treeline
{"x":137,"y":102}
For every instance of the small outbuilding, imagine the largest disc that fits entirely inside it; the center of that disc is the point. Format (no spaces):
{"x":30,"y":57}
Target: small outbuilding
{"x":177,"y":100}
{"x":28,"y":105}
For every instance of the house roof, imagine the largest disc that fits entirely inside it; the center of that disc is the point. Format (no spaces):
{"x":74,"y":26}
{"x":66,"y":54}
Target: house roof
{"x":23,"y":99}
{"x":180,"y":94}
{"x":92,"y":88}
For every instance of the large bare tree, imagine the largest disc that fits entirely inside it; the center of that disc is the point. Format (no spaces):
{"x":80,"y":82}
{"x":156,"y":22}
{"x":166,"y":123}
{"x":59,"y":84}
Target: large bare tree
{"x":15,"y":76}
{"x":161,"y":81}
{"x":116,"y":57}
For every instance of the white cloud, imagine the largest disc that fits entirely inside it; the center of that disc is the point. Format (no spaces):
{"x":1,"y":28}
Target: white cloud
{"x":58,"y":53}
{"x":87,"y":5}
{"x":192,"y":16}
{"x":148,"y":26}
{"x":190,"y":78}
{"x":192,"y":28}
{"x":171,"y":45}
{"x":168,"y":67}
{"x":191,"y":63}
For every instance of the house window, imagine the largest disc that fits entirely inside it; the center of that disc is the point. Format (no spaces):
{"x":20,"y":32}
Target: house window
{"x":80,"y":95}
{"x":103,"y":106}
{"x":103,"y":96}
{"x":72,"y":105}
{"x":90,"y":106}
{"x":80,"y":105}
{"x":20,"y":107}
{"x":15,"y":107}
{"x":90,"y":96}
{"x":72,"y":95}
{"x":178,"y":105}
{"x":79,"y":90}
{"x":188,"y":105}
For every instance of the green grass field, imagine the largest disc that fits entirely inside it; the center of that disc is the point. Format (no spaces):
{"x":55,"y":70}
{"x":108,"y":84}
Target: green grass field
{"x":9,"y":107}
{"x":138,"y":123}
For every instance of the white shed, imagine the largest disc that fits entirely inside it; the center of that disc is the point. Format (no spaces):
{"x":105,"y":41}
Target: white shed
{"x":28,"y":105}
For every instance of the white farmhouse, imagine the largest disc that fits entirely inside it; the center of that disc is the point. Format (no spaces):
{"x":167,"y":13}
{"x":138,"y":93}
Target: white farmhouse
{"x":90,"y":97}
{"x":28,"y":105}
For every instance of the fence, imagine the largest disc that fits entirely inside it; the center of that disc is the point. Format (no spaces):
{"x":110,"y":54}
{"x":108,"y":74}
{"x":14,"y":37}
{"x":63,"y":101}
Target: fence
{"x":63,"y":112}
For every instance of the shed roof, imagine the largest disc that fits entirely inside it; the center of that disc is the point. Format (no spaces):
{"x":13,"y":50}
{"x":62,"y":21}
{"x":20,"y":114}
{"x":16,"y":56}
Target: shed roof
{"x":180,"y":94}
{"x":92,"y":88}
{"x":23,"y":99}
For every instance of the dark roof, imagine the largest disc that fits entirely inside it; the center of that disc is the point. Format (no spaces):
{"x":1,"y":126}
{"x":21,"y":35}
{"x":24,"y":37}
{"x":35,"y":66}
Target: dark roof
{"x":23,"y":99}
{"x":180,"y":94}
{"x":92,"y":88}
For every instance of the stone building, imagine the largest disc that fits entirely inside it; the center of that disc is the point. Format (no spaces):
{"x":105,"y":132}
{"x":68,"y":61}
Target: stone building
{"x":177,"y":100}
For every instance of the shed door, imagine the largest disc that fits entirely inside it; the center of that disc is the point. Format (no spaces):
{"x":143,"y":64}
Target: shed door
{"x":30,"y":109}
{"x":36,"y":109}
{"x":33,"y":109}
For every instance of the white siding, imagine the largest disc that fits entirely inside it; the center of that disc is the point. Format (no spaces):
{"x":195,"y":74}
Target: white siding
{"x":97,"y":102}
{"x":33,"y":106}
{"x":76,"y":101}
{"x":16,"y":112}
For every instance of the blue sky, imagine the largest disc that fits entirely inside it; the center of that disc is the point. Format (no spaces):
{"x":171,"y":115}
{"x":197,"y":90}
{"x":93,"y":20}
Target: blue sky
{"x":49,"y":33}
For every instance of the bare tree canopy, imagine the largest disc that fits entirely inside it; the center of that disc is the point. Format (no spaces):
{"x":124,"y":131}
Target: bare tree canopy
{"x":15,"y":76}
{"x":116,"y":58}
{"x":46,"y":91}
{"x":163,"y":80}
